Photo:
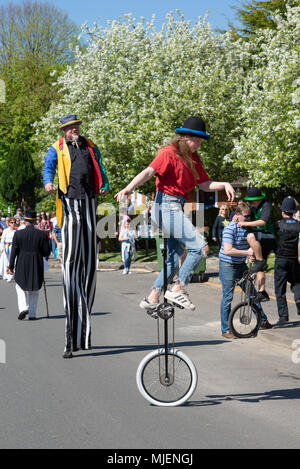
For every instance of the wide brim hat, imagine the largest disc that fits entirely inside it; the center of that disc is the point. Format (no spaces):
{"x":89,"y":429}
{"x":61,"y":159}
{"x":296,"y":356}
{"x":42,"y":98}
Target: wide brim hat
{"x":288,"y":205}
{"x":194,"y":126}
{"x":254,"y":194}
{"x":69,"y":120}
{"x":29,"y":215}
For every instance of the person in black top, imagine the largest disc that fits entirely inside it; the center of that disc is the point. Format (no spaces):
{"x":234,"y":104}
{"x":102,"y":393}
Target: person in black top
{"x":29,"y":246}
{"x":287,"y":263}
{"x":220,"y":222}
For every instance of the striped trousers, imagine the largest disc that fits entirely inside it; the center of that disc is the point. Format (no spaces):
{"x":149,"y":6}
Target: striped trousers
{"x":78,"y":270}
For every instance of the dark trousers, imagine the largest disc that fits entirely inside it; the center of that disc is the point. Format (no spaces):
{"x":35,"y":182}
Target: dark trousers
{"x":286,"y":270}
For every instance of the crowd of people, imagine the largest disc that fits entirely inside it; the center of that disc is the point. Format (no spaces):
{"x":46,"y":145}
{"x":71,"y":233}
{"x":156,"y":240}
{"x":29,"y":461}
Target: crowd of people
{"x":248,"y":233}
{"x":44,"y":221}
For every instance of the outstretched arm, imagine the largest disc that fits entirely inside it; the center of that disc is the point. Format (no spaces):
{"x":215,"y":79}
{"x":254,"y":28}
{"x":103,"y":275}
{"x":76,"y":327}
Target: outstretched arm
{"x":211,"y":186}
{"x":140,"y":179}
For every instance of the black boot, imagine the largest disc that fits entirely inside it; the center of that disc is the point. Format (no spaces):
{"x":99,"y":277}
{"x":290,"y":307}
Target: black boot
{"x":22,"y":315}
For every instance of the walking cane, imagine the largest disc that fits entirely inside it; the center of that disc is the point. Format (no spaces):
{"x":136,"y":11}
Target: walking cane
{"x":46,"y":301}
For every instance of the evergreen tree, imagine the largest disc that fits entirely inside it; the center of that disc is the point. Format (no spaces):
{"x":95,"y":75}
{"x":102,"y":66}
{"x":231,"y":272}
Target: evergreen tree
{"x":18,"y":176}
{"x":257,"y":14}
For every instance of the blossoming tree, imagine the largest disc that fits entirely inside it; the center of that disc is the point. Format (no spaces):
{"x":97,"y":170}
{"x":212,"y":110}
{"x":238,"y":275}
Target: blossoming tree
{"x":133,"y":85}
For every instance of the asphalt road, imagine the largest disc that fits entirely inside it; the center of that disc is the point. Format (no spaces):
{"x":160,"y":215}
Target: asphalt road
{"x":247,"y":396}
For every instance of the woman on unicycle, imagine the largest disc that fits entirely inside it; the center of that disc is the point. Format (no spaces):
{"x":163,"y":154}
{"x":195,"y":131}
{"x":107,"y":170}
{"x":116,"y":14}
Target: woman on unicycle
{"x":178,"y":170}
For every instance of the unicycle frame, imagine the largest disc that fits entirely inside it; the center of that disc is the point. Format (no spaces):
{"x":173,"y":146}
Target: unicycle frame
{"x":166,"y":376}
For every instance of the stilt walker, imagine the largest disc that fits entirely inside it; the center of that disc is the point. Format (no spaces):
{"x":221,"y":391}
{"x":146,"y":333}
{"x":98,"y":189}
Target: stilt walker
{"x":81,"y":177}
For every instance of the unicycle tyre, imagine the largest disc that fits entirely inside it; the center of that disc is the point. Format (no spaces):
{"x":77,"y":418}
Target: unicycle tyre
{"x":177,"y":388}
{"x":245,"y":320}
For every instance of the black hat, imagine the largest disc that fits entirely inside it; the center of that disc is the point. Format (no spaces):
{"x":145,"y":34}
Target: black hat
{"x":194,"y":126}
{"x":254,"y":194}
{"x":29,"y":215}
{"x":69,"y":120}
{"x":288,"y":205}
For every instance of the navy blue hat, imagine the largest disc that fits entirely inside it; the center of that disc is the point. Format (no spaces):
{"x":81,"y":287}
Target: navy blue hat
{"x":69,"y":120}
{"x":194,"y":126}
{"x":288,"y":205}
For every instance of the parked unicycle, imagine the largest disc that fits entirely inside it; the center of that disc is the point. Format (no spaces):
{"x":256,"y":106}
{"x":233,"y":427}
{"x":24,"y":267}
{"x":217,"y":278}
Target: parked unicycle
{"x":245,"y":318}
{"x":166,"y":376}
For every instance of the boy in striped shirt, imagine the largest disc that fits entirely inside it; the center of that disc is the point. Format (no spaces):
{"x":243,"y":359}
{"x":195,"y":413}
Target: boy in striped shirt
{"x":233,"y":255}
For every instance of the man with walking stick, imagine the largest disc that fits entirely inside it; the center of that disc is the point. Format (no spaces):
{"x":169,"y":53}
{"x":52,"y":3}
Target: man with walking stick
{"x":29,"y":248}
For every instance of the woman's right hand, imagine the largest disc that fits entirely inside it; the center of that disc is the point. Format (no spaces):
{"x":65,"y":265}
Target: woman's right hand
{"x":123,"y":193}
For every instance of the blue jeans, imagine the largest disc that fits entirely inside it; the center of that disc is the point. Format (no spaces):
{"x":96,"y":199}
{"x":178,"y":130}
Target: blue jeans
{"x":167,"y":213}
{"x":127,"y":258}
{"x":228,"y":274}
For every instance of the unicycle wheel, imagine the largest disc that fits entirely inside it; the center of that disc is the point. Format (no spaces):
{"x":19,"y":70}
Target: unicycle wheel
{"x":166,"y":388}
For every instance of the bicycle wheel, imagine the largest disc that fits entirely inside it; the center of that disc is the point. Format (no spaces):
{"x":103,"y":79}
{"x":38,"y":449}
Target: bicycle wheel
{"x":245,"y":320}
{"x":162,"y":390}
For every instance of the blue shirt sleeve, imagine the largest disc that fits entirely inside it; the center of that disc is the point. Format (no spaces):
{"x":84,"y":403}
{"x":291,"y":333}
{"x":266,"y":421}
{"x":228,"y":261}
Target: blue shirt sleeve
{"x":50,"y":166}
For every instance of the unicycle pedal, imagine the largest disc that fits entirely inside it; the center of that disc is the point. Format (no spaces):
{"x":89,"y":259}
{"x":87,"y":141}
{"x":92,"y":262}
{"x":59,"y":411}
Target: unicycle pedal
{"x":165,"y":311}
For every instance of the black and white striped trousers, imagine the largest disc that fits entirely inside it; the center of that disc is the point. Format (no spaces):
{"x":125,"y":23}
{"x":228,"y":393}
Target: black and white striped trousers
{"x":79,"y":270}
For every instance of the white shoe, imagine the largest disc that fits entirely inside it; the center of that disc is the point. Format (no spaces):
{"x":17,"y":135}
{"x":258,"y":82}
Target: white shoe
{"x":150,"y":308}
{"x":180,"y":298}
{"x":125,"y":272}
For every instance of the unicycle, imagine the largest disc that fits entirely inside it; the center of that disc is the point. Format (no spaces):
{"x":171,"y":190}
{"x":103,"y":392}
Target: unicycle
{"x":166,"y":376}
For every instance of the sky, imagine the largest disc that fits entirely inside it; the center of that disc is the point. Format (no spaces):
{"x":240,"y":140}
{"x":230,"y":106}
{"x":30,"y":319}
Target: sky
{"x":100,"y":11}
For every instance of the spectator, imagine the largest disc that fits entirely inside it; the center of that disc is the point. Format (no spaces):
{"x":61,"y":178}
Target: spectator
{"x":297,"y":215}
{"x":53,"y":221}
{"x":233,"y":254}
{"x":5,"y":249}
{"x":127,"y":238}
{"x":287,"y":263}
{"x":3,"y":225}
{"x":220,"y":222}
{"x":19,"y":213}
{"x":56,"y":235}
{"x":262,"y":229}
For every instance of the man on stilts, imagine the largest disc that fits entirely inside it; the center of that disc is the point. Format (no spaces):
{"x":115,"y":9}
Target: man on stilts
{"x":81,"y":176}
{"x":29,"y":247}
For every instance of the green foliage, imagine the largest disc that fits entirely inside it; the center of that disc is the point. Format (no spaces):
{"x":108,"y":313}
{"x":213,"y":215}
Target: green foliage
{"x":35,"y":40}
{"x":254,"y":15}
{"x":18,"y":176}
{"x":133,"y":85}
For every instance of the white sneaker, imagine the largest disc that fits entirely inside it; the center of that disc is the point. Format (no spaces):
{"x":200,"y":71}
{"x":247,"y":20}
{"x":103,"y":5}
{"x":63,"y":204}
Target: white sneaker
{"x":125,"y":272}
{"x":180,"y":298}
{"x":150,"y":308}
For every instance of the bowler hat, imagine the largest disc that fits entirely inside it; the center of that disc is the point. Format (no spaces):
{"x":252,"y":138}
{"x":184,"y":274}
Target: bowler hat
{"x":69,"y":120}
{"x":29,"y":215}
{"x":194,"y":126}
{"x":288,"y":205}
{"x":254,"y":194}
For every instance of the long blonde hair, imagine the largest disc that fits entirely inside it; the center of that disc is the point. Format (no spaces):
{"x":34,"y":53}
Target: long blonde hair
{"x":183,"y":152}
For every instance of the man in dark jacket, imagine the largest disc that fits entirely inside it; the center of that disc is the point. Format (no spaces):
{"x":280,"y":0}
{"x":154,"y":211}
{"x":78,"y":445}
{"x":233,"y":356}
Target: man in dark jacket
{"x":29,"y":248}
{"x":287,"y":264}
